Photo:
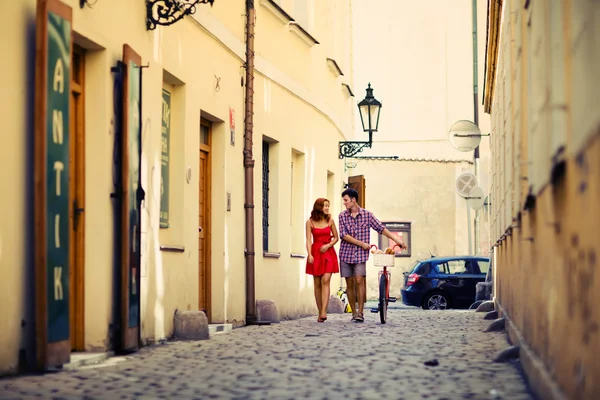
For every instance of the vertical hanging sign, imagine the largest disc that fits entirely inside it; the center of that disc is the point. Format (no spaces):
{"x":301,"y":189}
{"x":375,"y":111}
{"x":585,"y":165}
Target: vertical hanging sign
{"x":232,"y":126}
{"x":52,"y":208}
{"x":130,"y":289}
{"x":164,"y":159}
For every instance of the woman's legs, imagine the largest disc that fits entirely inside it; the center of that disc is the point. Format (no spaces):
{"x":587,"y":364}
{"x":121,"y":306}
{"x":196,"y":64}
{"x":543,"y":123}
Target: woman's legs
{"x":318,"y":297}
{"x":325,"y":293}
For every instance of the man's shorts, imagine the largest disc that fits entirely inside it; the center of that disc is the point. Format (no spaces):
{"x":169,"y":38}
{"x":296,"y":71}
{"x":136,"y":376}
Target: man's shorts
{"x":348,"y":270}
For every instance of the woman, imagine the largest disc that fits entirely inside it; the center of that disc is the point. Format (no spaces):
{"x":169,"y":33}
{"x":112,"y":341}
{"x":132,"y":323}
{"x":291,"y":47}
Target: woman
{"x":321,"y":236}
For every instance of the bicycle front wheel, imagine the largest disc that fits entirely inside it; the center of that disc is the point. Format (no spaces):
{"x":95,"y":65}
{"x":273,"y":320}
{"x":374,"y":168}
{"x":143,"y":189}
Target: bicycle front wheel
{"x":383,"y":298}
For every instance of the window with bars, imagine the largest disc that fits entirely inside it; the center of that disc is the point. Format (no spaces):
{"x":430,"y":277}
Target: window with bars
{"x":265,"y":195}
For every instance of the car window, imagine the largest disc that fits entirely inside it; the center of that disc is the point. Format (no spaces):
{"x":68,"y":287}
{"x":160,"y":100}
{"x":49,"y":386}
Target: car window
{"x":484,"y":266}
{"x":424,"y":269}
{"x":442,"y":268}
{"x":456,"y":267}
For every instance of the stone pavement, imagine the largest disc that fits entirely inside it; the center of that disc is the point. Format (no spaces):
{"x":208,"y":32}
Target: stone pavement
{"x":304,"y":359}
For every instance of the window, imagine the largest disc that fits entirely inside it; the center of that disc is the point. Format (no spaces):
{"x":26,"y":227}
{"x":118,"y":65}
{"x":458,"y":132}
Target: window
{"x":165,"y":158}
{"x":265,"y":195}
{"x":484,"y":266}
{"x":456,"y":267}
{"x":331,"y":190}
{"x":460,"y":267}
{"x":297,"y":203}
{"x":270,"y":200}
{"x":424,"y":269}
{"x":403,"y":230}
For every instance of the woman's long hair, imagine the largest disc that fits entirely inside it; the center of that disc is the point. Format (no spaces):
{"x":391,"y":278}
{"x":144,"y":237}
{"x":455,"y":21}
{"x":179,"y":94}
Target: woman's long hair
{"x":317,"y":213}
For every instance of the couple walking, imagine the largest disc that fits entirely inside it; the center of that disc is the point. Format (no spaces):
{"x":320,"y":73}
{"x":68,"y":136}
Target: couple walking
{"x":322,"y":235}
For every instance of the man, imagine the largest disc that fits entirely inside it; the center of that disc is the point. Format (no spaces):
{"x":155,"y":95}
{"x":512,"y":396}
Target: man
{"x":354,"y":248}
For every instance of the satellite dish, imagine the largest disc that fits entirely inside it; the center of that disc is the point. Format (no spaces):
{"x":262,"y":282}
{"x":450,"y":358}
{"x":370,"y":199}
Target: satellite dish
{"x":465,"y":183}
{"x":476,"y":198}
{"x":464,"y":135}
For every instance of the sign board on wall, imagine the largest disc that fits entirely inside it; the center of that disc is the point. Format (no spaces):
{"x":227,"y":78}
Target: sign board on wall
{"x":164,"y":159}
{"x":131,"y":199}
{"x":232,"y":125}
{"x":402,"y":229}
{"x":52,"y":205}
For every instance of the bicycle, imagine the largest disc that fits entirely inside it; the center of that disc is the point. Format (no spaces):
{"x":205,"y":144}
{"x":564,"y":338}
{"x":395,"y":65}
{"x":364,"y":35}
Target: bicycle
{"x":384,"y":277}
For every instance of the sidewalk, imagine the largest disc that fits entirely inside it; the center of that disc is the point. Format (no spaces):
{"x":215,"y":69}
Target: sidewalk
{"x":304,"y":359}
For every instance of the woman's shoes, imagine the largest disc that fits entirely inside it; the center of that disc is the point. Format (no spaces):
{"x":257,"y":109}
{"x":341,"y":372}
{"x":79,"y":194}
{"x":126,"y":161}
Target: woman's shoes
{"x":322,"y":319}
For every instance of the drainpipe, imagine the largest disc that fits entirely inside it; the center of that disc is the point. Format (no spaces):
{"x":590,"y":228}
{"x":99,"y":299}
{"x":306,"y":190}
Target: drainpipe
{"x":249,"y":164}
{"x":475,"y":115}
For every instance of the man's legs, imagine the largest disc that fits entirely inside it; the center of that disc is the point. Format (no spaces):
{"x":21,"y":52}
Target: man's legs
{"x":359,"y":283}
{"x":351,"y":294}
{"x":347,"y":272}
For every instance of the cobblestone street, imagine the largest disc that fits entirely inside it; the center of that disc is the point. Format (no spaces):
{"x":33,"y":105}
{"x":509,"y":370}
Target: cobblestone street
{"x":304,"y":359}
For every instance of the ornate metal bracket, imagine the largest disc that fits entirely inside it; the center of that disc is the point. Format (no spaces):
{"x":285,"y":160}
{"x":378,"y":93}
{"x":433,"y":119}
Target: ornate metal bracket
{"x":167,"y":12}
{"x":350,"y":149}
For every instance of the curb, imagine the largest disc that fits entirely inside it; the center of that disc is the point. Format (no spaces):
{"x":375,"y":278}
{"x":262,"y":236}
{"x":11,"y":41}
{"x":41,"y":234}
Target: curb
{"x":216,"y":329}
{"x":87,"y":359}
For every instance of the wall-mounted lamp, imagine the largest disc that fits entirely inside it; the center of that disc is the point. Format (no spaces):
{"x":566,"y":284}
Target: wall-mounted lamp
{"x":369,"y":109}
{"x":167,"y":12}
{"x":83,"y":3}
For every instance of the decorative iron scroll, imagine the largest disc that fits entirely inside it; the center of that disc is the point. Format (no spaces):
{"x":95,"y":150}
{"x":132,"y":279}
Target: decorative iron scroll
{"x":350,"y":149}
{"x":167,"y":12}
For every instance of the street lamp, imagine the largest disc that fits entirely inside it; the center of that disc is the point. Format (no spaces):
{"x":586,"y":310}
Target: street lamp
{"x":369,"y":109}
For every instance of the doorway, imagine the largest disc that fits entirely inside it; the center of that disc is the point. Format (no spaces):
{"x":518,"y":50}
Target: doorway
{"x":204,"y":210}
{"x":77,"y":200}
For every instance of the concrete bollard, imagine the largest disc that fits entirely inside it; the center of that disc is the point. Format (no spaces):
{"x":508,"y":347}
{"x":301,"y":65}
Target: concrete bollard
{"x":486,"y":306}
{"x":266,"y":310}
{"x":190,"y":325}
{"x":335,"y":305}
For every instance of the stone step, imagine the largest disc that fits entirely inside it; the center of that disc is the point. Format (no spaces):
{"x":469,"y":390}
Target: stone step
{"x":82,"y":359}
{"x":215,"y":329}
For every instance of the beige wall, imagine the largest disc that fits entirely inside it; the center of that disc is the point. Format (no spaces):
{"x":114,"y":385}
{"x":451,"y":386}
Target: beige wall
{"x":299,"y":102}
{"x":418,"y":57}
{"x":545,"y":143}
{"x":15,"y":247}
{"x":425,"y":196}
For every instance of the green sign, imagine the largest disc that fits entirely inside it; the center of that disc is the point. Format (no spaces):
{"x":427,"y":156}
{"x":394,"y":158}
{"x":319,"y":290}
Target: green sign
{"x":57,"y":177}
{"x":164,"y":165}
{"x":134,"y":178}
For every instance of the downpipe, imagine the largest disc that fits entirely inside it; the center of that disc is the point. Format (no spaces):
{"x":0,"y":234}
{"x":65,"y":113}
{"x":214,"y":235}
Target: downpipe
{"x":249,"y":253}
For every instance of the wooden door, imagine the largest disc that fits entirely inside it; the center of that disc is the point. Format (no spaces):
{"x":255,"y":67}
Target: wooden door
{"x":358,"y":183}
{"x":204,"y":185}
{"x":52,"y":208}
{"x":77,"y":199}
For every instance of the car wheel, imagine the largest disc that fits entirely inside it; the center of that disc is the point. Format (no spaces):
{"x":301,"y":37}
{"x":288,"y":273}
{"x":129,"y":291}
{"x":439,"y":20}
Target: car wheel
{"x":436,"y":301}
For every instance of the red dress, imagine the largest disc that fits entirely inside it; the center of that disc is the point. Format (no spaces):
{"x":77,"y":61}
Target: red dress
{"x":323,"y":262}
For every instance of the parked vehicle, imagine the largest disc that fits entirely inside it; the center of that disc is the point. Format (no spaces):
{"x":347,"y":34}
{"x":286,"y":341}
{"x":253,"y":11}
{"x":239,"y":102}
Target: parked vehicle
{"x":440,"y":283}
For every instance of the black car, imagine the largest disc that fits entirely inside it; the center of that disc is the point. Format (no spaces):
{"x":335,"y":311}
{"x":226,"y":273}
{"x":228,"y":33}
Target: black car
{"x":440,"y":283}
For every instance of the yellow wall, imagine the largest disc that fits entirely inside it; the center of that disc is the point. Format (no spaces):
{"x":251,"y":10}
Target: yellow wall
{"x":545,"y":143}
{"x":299,"y":102}
{"x":17,"y":180}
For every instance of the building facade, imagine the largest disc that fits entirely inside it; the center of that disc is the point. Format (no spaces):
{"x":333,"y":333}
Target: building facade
{"x":541,"y":59}
{"x":421,"y":69}
{"x":150,"y":137}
